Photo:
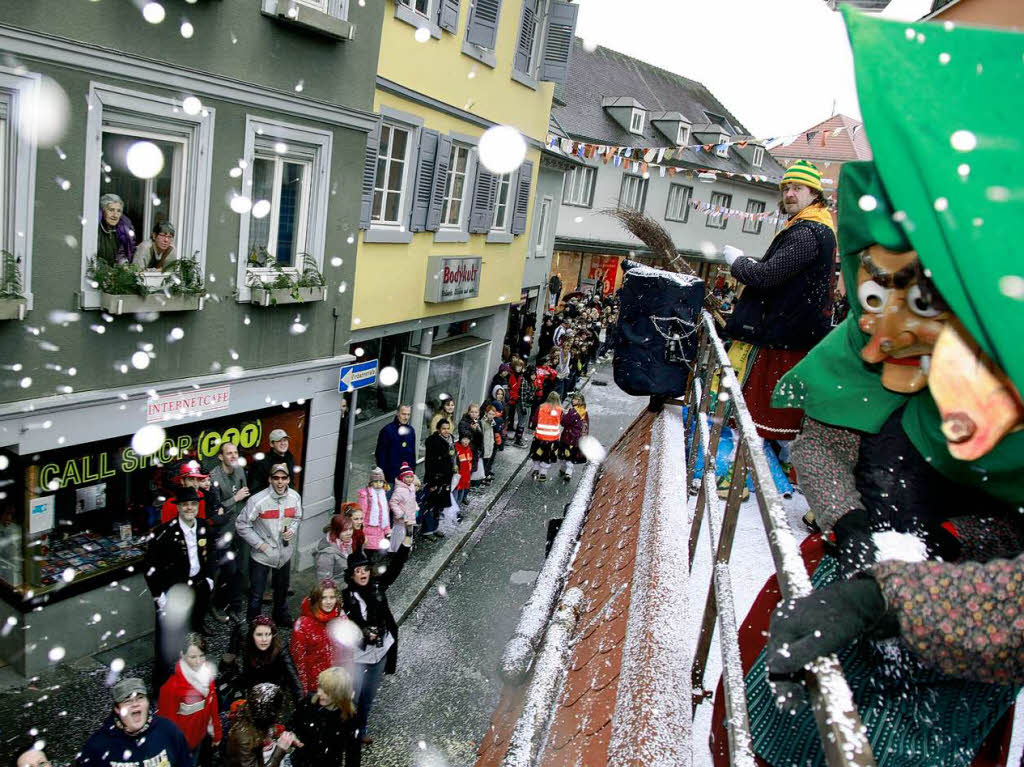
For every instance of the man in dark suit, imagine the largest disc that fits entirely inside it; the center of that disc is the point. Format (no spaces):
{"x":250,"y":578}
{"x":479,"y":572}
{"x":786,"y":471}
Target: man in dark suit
{"x":178,"y":571}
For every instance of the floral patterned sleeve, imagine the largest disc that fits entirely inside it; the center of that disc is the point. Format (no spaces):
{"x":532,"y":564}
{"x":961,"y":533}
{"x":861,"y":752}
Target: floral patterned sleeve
{"x":825,"y":457}
{"x":967,"y":619}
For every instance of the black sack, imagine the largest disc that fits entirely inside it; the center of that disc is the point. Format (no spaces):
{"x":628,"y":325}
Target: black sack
{"x":656,"y":338}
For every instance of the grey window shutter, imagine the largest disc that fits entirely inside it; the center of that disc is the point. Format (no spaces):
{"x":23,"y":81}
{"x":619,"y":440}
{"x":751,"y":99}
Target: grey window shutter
{"x":448,"y":15}
{"x":524,"y":46}
{"x":482,"y":29}
{"x":424,"y":179}
{"x":554,"y":63}
{"x":481,"y":210}
{"x":369,"y":175}
{"x":522,"y":197}
{"x":444,"y":151}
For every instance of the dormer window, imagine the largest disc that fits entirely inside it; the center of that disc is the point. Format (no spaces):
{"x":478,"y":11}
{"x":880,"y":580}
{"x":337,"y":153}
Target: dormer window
{"x":682,"y":135}
{"x":758,"y":156}
{"x":721,"y":148}
{"x":636,"y":121}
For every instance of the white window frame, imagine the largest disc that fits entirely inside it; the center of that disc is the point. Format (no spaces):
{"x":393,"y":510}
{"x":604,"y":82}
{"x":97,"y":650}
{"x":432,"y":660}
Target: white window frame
{"x":503,"y":180}
{"x":755,"y":226}
{"x":140,"y":113}
{"x":303,"y":143}
{"x":637,"y":194}
{"x":718,"y":221}
{"x":682,"y":134}
{"x":722,"y":147}
{"x":683,"y":215}
{"x":758,"y":156}
{"x":543,"y":222}
{"x":449,"y":185}
{"x":279,"y":161}
{"x":403,"y":196}
{"x":18,"y":90}
{"x":426,"y":15}
{"x":337,"y":9}
{"x":531,"y":76}
{"x":578,"y":193}
{"x":636,"y":120}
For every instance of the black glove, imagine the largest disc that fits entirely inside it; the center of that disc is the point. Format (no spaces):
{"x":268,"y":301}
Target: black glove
{"x":826,"y":621}
{"x":855,"y":550}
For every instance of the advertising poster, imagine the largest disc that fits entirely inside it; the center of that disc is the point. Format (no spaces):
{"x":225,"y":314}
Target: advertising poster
{"x":40,"y":517}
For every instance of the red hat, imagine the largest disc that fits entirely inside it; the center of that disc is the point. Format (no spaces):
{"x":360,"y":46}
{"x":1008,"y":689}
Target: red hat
{"x":191,"y":469}
{"x":405,"y":471}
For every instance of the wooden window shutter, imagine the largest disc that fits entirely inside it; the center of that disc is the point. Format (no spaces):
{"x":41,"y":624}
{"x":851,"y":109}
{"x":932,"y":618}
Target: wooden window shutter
{"x":424,"y":179}
{"x":369,"y":175}
{"x":482,"y":29}
{"x":554,"y":63}
{"x":522,"y":197}
{"x":524,"y":45}
{"x":444,"y":151}
{"x":448,"y":15}
{"x":481,"y":210}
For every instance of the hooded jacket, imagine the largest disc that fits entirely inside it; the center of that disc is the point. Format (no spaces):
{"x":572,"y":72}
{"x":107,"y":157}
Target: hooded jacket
{"x":403,"y":503}
{"x":191,"y":712}
{"x":263,"y":521}
{"x":330,"y":561}
{"x":160,"y":742}
{"x":313,"y":646}
{"x":374,"y":533}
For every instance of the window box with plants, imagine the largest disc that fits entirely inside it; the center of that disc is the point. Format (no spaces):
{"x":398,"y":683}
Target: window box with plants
{"x":127,"y":289}
{"x":272,"y":284}
{"x":12,"y":291}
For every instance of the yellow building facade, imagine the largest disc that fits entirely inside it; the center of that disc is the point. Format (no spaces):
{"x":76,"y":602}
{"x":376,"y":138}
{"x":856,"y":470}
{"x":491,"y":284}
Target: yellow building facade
{"x":443,"y":239}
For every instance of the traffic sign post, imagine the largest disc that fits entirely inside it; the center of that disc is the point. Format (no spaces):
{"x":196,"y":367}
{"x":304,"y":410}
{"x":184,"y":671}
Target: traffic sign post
{"x":357,"y":376}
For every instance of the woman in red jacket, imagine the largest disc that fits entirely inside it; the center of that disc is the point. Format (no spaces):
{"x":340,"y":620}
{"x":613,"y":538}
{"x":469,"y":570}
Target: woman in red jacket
{"x":189,"y":697}
{"x":317,"y":641}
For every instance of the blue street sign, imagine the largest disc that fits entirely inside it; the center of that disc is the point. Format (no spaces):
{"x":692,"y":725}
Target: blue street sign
{"x":357,"y":376}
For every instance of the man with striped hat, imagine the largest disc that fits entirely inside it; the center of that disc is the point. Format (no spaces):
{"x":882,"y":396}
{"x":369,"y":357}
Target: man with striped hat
{"x":785,"y":307}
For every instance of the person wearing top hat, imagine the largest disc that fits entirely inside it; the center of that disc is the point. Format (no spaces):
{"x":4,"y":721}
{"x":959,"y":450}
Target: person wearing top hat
{"x":190,"y":474}
{"x":259,"y":477}
{"x":178,"y":555}
{"x":133,"y":736}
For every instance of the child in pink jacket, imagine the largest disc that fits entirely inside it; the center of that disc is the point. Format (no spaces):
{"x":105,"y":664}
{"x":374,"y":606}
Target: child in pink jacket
{"x":403,"y":506}
{"x":373,"y":500}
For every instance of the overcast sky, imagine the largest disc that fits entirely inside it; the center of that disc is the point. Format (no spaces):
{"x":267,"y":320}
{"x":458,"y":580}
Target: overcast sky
{"x":777,"y":65}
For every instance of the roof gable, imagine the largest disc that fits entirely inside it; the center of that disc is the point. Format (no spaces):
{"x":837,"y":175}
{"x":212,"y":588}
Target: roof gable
{"x":818,"y":143}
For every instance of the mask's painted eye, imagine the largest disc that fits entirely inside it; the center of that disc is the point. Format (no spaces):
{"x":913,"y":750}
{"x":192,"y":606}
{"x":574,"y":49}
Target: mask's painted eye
{"x":920,"y":303}
{"x":872,"y":296}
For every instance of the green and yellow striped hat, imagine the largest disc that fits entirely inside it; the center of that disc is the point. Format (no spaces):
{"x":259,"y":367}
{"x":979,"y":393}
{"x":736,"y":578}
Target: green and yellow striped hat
{"x":802,"y":172}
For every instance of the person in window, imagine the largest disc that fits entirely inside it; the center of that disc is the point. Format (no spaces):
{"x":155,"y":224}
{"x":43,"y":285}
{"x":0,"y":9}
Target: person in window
{"x":158,"y":251}
{"x":115,"y":239}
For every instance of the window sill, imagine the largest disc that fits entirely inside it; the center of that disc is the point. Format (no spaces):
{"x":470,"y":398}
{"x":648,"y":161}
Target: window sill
{"x":156,"y":302}
{"x":503,"y":238}
{"x":524,"y":79}
{"x":451,"y":235}
{"x":278,"y":296}
{"x":13,"y":308}
{"x":382,"y":234}
{"x":290,"y":12}
{"x":482,"y":55}
{"x":413,"y":19}
{"x":676,"y":220}
{"x":577,"y":205}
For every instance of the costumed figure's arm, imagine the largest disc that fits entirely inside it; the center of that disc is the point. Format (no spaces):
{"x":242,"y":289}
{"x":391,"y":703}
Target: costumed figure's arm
{"x":825,"y":457}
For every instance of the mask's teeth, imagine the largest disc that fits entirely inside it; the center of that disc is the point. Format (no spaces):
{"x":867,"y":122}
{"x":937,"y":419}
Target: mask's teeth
{"x":926,"y":363}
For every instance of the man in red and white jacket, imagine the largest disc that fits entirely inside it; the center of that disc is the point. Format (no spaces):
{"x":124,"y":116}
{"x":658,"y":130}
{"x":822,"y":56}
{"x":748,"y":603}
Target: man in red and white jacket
{"x":270,"y":524}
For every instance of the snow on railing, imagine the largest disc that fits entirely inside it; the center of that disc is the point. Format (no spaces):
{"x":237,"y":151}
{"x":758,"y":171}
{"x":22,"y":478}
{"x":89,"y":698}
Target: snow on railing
{"x":842,"y":734}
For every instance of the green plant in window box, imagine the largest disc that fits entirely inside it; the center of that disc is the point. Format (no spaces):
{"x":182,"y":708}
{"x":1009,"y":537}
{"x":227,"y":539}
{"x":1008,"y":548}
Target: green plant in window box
{"x":284,"y":285}
{"x":184,"y":277}
{"x":117,"y":279}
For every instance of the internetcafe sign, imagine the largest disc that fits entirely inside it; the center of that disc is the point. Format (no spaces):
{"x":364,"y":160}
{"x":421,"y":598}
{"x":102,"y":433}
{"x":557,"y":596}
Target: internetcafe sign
{"x":452,"y":279}
{"x":189,"y":402}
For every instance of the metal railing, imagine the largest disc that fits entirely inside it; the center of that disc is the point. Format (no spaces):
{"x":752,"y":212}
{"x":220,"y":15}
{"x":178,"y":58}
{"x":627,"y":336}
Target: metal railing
{"x":843,"y":736}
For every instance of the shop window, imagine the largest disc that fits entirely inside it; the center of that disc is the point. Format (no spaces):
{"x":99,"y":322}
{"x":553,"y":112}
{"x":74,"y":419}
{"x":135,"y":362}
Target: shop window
{"x":17,"y":178}
{"x":374,"y":402}
{"x":678,"y":208}
{"x":91,"y":507}
{"x":633,"y":193}
{"x":285,"y":183}
{"x":155,"y":156}
{"x":752,"y":225}
{"x":716,"y":216}
{"x":579,"y":187}
{"x":453,"y":212}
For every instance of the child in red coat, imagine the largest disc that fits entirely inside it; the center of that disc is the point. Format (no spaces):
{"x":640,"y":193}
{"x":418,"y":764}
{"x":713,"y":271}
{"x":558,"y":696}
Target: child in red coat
{"x":189,"y":697}
{"x":464,"y":453}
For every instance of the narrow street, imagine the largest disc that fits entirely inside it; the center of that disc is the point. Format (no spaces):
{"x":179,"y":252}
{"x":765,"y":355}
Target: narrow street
{"x":435,"y":710}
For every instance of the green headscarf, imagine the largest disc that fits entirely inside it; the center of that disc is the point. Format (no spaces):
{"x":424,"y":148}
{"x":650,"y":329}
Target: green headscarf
{"x":941,"y":106}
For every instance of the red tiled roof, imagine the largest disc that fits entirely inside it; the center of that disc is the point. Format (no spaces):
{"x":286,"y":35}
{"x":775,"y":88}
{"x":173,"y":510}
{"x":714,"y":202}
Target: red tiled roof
{"x":841,"y":148}
{"x":581,"y":728}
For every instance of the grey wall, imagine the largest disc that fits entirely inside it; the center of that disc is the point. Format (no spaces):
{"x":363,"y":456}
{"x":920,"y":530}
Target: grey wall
{"x":549,"y":184}
{"x":689,"y":236}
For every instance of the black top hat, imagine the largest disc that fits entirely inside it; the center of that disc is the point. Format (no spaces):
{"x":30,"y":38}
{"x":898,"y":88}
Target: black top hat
{"x":186,"y":494}
{"x":356,"y":559}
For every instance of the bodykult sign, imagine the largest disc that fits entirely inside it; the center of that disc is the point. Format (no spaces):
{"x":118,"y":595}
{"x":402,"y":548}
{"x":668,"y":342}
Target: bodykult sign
{"x":452,"y":279}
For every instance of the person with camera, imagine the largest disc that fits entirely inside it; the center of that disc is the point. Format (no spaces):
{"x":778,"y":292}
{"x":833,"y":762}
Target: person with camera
{"x":365,"y":602}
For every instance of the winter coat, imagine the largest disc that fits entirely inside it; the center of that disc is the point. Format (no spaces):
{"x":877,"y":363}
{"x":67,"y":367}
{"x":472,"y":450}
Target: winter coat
{"x":476,"y":436}
{"x":466,"y":464}
{"x":374,"y":533}
{"x":515,"y":384}
{"x":259,"y":476}
{"x":224,"y":486}
{"x":245,"y":747}
{"x":574,"y":426}
{"x":440,"y":461}
{"x":403,"y":504}
{"x":330,"y":560}
{"x":263,"y":521}
{"x":527,"y":392}
{"x":378,"y":613}
{"x":544,"y":381}
{"x":166,"y":560}
{"x":787,"y":296}
{"x":502,"y":378}
{"x":313,"y":645}
{"x":158,"y":743}
{"x":491,"y":431}
{"x":396,"y":444}
{"x":238,"y":672}
{"x":191,"y":712}
{"x":327,"y":739}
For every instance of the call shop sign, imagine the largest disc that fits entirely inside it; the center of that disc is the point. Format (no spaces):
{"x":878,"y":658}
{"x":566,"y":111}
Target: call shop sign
{"x":452,"y":279}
